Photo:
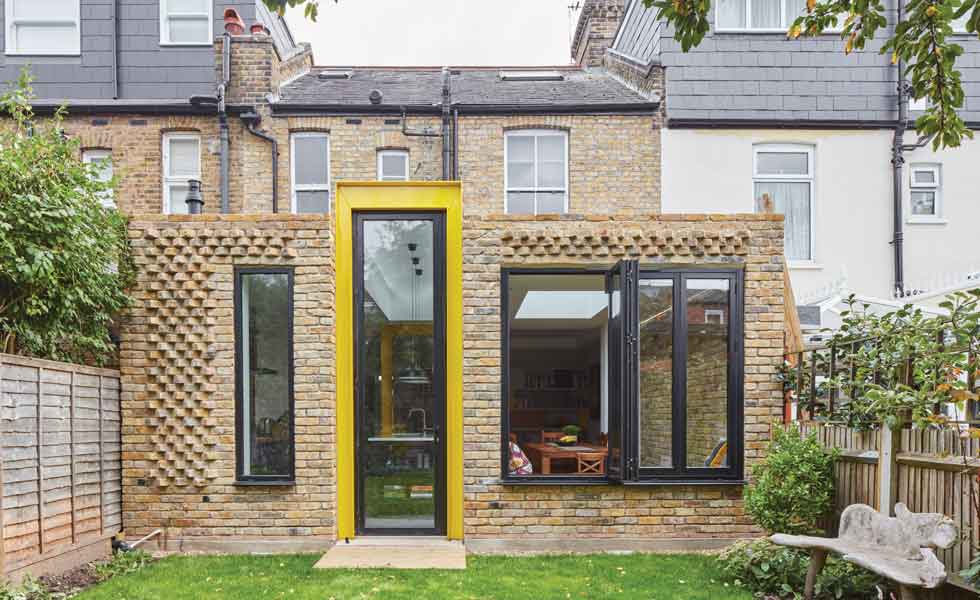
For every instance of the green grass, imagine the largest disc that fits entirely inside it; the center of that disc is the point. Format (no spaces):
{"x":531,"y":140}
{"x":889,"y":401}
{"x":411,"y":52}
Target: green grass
{"x":645,"y":576}
{"x":404,"y":506}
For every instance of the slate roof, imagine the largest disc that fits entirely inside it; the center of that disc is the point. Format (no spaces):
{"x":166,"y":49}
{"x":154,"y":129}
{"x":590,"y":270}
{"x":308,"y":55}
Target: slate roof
{"x":473,"y":90}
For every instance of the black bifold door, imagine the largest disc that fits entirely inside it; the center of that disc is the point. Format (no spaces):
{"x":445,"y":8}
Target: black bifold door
{"x":674,"y":374}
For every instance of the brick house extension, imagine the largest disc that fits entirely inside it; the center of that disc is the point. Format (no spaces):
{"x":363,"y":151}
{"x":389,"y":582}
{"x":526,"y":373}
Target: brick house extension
{"x":325,"y":355}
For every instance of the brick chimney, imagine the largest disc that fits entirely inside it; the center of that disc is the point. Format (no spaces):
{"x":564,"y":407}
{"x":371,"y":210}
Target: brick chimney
{"x":596,"y":30}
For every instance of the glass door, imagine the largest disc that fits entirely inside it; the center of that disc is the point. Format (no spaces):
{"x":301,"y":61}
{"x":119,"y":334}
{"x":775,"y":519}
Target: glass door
{"x":621,"y":283}
{"x":399,"y":306}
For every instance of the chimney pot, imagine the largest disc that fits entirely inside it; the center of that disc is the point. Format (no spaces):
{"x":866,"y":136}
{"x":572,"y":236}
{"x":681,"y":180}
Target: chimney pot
{"x":233,"y":23}
{"x":194,"y":202}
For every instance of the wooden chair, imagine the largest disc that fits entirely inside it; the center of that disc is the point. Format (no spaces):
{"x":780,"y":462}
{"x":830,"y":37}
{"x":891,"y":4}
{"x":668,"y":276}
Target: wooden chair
{"x":593,"y":463}
{"x":551,"y":436}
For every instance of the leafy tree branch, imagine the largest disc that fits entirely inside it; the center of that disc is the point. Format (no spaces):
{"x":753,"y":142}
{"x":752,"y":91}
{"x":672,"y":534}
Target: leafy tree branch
{"x":919,"y":39}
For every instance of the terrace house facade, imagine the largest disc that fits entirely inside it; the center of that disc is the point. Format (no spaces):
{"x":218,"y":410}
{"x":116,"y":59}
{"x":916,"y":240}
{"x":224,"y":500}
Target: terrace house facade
{"x":751,"y":116}
{"x":404,"y":285}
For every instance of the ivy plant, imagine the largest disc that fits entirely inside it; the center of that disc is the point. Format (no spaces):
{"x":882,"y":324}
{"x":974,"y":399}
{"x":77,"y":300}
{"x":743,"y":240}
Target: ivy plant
{"x":64,"y":257}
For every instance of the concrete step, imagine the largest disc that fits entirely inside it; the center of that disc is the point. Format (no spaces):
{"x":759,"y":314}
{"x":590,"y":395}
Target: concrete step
{"x":403,"y":552}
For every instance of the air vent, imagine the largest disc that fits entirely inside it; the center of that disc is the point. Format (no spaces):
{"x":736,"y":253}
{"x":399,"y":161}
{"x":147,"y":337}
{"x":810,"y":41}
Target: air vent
{"x":325,"y":75}
{"x":531,"y":76}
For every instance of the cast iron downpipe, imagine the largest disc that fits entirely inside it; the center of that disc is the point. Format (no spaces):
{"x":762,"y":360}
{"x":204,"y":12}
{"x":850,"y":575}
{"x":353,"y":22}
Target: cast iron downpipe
{"x":223,"y":118}
{"x":455,"y":144}
{"x":898,"y":161}
{"x":446,"y":140}
{"x":251,"y":120}
{"x":115,"y":49}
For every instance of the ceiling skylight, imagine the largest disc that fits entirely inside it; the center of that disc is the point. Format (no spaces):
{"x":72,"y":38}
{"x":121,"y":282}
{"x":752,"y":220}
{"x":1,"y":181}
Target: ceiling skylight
{"x":562,"y":304}
{"x":531,"y":76}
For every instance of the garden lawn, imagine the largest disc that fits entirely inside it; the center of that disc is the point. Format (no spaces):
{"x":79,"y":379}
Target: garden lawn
{"x":647,"y":576}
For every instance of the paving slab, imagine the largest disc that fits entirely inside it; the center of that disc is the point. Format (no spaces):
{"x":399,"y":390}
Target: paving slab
{"x":372,"y":552}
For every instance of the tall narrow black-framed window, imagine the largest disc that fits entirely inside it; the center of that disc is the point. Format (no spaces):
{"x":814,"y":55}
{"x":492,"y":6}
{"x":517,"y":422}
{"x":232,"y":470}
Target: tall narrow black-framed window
{"x":265,"y":422}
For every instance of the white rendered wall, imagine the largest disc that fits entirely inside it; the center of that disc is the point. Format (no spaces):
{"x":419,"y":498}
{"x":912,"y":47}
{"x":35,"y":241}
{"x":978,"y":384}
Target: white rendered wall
{"x":710,"y":170}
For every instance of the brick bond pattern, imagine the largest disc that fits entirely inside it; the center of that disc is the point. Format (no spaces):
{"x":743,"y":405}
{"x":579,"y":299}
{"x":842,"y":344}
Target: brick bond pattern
{"x":178,"y":376}
{"x":494,"y":510}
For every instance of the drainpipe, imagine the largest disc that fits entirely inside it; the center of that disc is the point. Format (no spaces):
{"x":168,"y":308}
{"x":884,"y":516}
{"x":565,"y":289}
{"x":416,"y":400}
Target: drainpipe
{"x":446,"y":140}
{"x":251,"y":120}
{"x":115,"y":49}
{"x":898,"y":161}
{"x":455,"y":144}
{"x":223,"y":119}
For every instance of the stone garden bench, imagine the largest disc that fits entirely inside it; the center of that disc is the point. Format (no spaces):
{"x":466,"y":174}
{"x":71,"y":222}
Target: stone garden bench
{"x":898,"y":548}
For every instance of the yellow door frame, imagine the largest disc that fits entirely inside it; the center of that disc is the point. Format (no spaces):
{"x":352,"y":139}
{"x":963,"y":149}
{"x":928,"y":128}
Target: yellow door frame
{"x":436,"y":196}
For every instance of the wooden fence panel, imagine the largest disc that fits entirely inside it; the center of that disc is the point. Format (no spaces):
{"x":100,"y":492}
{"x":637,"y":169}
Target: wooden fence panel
{"x":932,"y":477}
{"x":60,"y":461}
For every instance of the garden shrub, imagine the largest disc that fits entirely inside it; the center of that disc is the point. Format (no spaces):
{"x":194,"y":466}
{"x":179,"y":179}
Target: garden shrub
{"x":794,"y":486}
{"x":122,"y":563}
{"x":65,"y":262}
{"x":29,"y":589}
{"x":768,"y":570}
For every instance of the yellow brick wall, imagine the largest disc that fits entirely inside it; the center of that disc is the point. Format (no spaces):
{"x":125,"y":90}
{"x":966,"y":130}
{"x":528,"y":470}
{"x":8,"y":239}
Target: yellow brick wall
{"x":178,"y":377}
{"x":751,"y":242}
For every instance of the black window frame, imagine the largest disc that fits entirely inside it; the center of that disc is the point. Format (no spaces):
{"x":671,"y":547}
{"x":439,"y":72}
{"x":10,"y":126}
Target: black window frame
{"x":240,"y":477}
{"x":630,"y":272}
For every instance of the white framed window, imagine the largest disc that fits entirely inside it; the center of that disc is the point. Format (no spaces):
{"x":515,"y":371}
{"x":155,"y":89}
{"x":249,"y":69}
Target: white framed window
{"x":536,"y":171}
{"x":49,"y":28}
{"x":392,"y":165}
{"x":925,"y":192}
{"x":783,"y":180}
{"x":186,"y":22}
{"x":714,"y":315}
{"x":309,"y":153}
{"x":757,"y":15}
{"x":181,"y":163}
{"x":103,"y":161}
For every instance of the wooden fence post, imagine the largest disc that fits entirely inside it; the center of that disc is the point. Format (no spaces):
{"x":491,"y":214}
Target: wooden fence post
{"x":39,"y":432}
{"x":891,"y":441}
{"x":3,"y":554}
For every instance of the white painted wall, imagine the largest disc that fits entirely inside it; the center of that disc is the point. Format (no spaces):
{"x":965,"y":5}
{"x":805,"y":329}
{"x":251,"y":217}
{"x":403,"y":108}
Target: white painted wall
{"x":710,"y":170}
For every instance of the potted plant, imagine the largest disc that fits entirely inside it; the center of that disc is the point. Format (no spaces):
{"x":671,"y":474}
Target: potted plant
{"x":571,"y":435}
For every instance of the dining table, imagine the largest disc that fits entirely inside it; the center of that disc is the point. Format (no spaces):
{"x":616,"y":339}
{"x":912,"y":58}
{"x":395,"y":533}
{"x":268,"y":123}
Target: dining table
{"x":542,"y":454}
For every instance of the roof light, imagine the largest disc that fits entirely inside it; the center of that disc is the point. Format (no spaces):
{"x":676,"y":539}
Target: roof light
{"x":531,"y":76}
{"x":324,"y":75}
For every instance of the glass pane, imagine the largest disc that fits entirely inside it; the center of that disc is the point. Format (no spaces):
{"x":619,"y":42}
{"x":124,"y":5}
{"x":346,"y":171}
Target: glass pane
{"x":782,"y":163}
{"x":178,"y":198}
{"x":46,"y":38}
{"x":765,"y":14}
{"x":707,"y":372}
{"x":61,"y":10}
{"x":551,"y":202}
{"x":187,"y":6}
{"x":189,"y":31}
{"x":265,"y":362}
{"x":551,"y":148}
{"x":924,"y":203}
{"x":313,"y":201}
{"x":656,"y":372}
{"x":520,"y":174}
{"x":924,"y":176}
{"x":103,"y":161}
{"x":551,"y":174}
{"x":794,"y":8}
{"x":310,"y":160}
{"x":731,"y":14}
{"x":791,"y":199}
{"x":398,"y":397}
{"x":520,"y":148}
{"x":520,"y":203}
{"x":394,"y":167}
{"x":185,"y":157}
{"x":557,"y":396}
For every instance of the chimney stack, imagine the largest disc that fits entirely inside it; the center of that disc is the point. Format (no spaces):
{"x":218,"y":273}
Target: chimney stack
{"x":596,"y":30}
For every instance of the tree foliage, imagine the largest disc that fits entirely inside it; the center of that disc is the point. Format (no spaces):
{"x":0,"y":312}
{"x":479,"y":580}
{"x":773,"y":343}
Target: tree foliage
{"x":920,"y":40}
{"x":897,"y":366}
{"x":64,"y":258}
{"x":311,"y":8}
